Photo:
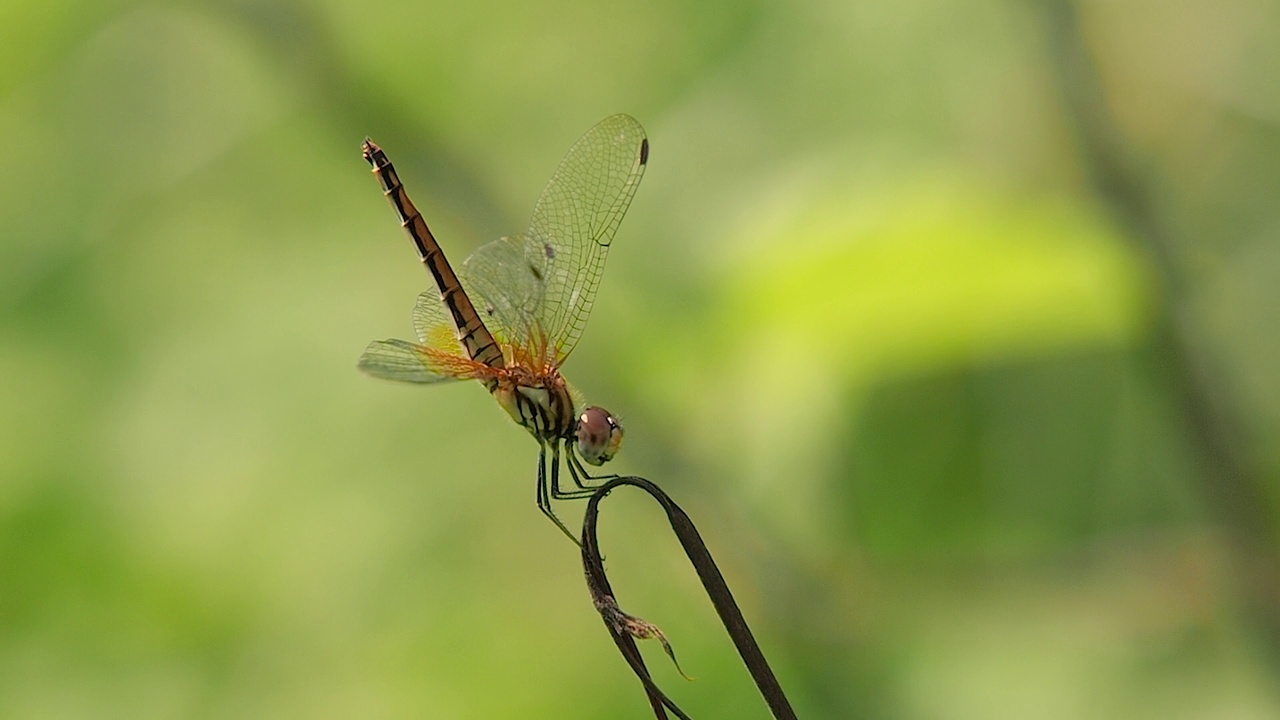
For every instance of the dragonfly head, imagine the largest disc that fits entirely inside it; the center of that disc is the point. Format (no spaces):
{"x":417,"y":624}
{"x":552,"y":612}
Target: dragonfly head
{"x":599,"y":435}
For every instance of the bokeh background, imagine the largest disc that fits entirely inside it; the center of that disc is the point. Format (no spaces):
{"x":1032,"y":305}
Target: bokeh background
{"x":953,"y":325}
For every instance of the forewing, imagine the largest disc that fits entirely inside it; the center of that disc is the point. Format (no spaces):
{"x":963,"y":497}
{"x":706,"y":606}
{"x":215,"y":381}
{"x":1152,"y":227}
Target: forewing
{"x":573,"y":225}
{"x":402,"y":361}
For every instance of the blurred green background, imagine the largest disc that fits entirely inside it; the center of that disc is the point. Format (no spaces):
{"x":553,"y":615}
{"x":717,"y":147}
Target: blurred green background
{"x":953,"y":325}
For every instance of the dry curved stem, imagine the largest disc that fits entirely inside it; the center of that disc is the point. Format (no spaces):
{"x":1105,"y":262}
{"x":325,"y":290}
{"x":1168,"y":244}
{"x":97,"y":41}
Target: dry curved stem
{"x":625,"y":628}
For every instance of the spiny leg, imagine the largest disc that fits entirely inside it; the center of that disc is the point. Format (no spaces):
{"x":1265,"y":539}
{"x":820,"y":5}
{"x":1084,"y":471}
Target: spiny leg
{"x":544,"y":500}
{"x":581,"y":492}
{"x":579,"y":472}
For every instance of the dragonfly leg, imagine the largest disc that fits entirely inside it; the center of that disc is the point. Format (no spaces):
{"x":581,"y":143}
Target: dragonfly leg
{"x":544,"y":499}
{"x":579,"y":473}
{"x":582,"y":491}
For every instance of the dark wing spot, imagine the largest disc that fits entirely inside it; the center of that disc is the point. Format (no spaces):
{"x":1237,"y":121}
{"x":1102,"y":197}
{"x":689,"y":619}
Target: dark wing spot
{"x":550,"y":251}
{"x":536,"y":272}
{"x":644,"y":151}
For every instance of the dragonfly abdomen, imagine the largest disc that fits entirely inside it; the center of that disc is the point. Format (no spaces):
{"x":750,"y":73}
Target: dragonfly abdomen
{"x":472,"y":334}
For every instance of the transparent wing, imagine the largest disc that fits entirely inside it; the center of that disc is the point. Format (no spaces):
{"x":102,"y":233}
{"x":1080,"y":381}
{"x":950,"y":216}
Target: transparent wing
{"x":540,"y":286}
{"x":508,"y":281}
{"x":575,"y":220}
{"x":403,"y":361}
{"x":433,"y":325}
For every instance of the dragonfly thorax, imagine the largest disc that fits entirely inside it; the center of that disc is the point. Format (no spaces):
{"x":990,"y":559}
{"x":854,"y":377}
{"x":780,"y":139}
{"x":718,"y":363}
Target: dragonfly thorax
{"x":542,"y":404}
{"x":538,"y":402}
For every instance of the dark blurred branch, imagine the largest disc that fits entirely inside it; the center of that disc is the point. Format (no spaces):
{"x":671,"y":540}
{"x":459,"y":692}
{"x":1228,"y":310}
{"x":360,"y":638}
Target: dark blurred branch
{"x":295,"y":37}
{"x":1234,"y":484}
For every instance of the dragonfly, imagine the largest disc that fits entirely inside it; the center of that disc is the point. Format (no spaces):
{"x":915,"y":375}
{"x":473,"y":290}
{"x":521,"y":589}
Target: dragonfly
{"x":516,"y":311}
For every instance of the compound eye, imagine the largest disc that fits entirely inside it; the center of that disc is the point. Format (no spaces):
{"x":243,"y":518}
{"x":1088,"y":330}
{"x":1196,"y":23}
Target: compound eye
{"x":599,"y":435}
